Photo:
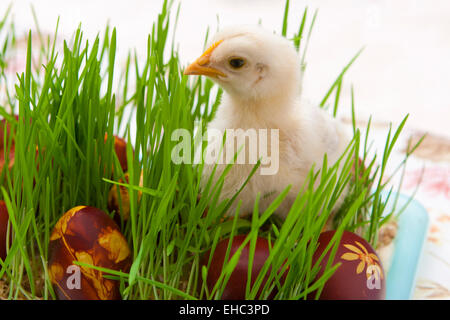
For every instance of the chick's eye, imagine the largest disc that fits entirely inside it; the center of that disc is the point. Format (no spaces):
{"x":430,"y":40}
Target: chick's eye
{"x":236,"y":63}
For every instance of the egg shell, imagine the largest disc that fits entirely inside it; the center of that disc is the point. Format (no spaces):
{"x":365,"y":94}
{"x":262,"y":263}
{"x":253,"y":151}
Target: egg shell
{"x":4,"y":218}
{"x":236,"y":285}
{"x":120,"y":147}
{"x":116,"y":199}
{"x":361,"y":275}
{"x":89,"y":235}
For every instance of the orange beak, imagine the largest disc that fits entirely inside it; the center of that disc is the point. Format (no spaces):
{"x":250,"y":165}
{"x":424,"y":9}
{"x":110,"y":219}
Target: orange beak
{"x":202,"y":66}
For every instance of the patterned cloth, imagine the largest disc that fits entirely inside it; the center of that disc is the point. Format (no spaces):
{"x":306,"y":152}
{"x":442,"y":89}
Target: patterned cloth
{"x":430,"y":167}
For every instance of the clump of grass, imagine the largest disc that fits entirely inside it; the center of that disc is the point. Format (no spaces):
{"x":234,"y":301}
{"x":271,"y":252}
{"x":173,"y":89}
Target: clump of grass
{"x":62,"y":160}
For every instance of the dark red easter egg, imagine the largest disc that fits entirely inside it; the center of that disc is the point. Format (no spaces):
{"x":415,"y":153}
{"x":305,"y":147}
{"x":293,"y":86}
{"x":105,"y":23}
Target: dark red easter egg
{"x":7,"y":153}
{"x":236,"y":285}
{"x":4,"y":218}
{"x":120,"y":147}
{"x":360,"y":275}
{"x":88,"y":235}
{"x":119,"y":199}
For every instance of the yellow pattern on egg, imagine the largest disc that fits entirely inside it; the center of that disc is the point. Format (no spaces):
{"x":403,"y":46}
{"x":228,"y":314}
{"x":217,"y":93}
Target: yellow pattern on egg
{"x":61,"y":225}
{"x":360,"y":252}
{"x":116,"y":245}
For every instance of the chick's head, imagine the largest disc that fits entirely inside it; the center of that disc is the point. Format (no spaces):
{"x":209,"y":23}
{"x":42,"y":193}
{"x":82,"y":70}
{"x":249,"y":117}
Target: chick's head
{"x":250,"y":63}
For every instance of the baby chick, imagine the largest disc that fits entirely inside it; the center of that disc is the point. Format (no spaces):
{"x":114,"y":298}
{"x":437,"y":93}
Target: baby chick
{"x":260,"y":73}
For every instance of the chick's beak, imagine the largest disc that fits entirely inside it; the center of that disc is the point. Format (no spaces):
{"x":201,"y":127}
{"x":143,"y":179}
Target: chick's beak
{"x":202,"y":66}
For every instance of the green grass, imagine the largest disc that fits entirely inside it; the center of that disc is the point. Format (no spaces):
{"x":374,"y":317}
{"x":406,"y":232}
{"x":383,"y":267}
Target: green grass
{"x":65,"y":108}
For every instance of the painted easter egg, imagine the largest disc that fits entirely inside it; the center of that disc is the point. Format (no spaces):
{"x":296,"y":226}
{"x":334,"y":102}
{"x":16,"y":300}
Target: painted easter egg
{"x":88,"y":235}
{"x":236,"y":285}
{"x":120,"y":148}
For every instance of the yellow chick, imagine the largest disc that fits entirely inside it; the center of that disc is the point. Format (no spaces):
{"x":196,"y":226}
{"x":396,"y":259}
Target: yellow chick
{"x":260,"y":73}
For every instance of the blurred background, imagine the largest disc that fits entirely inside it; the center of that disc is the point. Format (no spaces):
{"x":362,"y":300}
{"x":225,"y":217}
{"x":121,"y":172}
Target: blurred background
{"x":405,"y":66}
{"x":404,"y":69}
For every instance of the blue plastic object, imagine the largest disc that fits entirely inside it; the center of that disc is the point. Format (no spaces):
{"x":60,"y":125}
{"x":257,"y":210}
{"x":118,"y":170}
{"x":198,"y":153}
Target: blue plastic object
{"x":409,"y":243}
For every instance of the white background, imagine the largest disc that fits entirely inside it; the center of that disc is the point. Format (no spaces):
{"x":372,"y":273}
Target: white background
{"x":405,"y":67}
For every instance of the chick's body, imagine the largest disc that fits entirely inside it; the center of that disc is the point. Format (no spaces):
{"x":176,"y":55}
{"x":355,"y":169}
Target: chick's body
{"x":306,"y":133}
{"x":262,"y":92}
